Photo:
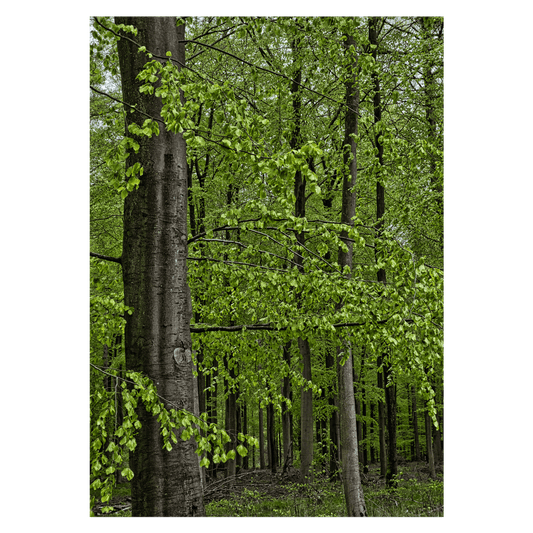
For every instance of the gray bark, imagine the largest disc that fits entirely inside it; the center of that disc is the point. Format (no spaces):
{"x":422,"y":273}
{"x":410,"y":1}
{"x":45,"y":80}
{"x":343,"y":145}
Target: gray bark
{"x":353,"y":491}
{"x":157,"y":337}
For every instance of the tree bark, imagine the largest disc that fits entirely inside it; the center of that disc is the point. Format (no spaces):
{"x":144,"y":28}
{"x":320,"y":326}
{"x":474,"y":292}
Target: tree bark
{"x":364,"y":446}
{"x":381,"y":422}
{"x":286,"y":415}
{"x":392,"y":463}
{"x":154,"y":260}
{"x":261,"y":441}
{"x":306,"y":415}
{"x":429,"y":446}
{"x":333,"y":424}
{"x":231,"y":422}
{"x":353,"y":491}
{"x":245,"y":459}
{"x":271,"y":438}
{"x":415,"y":424}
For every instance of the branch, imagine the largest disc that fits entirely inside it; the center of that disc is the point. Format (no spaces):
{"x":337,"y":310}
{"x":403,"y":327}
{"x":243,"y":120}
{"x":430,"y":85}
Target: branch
{"x":227,"y":262}
{"x":124,"y":103}
{"x":107,"y":258}
{"x":269,"y":327}
{"x":271,"y":72}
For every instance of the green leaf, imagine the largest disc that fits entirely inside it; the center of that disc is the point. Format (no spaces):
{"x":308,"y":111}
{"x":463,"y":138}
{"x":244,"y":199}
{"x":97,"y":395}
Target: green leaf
{"x":127,"y":473}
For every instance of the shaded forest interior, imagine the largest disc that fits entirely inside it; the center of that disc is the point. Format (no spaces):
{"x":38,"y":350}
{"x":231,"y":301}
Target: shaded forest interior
{"x":267,"y":260}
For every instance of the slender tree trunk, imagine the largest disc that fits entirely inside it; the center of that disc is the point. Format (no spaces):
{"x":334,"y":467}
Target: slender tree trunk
{"x":364,"y":408}
{"x":306,"y":409}
{"x":306,"y":415}
{"x":231,"y":423}
{"x":372,"y":450}
{"x":415,"y":424}
{"x":429,"y":446}
{"x":356,"y":382}
{"x":212,"y":418}
{"x":333,"y":424}
{"x":353,"y":491}
{"x":381,"y":421}
{"x":154,"y":260}
{"x":392,"y":463}
{"x":261,"y":441}
{"x":271,"y":438}
{"x":246,"y":459}
{"x":286,"y":415}
{"x":390,"y":390}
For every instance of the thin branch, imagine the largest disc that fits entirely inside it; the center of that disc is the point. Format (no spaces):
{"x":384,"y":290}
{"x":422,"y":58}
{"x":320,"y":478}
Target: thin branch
{"x":124,"y":103}
{"x":246,"y":246}
{"x":227,"y":262}
{"x":221,"y":228}
{"x":107,"y":258}
{"x":269,"y":327}
{"x":271,"y":72}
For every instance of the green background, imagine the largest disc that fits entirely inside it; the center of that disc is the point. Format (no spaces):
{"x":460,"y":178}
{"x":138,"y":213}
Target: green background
{"x":44,"y":266}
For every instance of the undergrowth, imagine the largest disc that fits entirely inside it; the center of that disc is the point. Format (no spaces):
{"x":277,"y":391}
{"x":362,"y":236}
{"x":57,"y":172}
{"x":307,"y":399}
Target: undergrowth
{"x":323,"y":499}
{"x":411,"y":497}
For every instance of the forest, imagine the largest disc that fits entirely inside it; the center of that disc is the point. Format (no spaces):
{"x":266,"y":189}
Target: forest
{"x":266,"y":266}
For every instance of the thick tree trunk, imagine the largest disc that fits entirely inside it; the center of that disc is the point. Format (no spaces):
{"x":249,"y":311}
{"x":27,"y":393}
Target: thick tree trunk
{"x":154,"y":260}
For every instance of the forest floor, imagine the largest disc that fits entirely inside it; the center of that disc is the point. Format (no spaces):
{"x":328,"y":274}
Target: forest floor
{"x":259,"y":493}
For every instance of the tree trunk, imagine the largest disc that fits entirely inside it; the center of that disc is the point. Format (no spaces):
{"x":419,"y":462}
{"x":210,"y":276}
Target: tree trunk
{"x":212,"y":418}
{"x":286,"y":415}
{"x":306,"y":415}
{"x":390,"y":397}
{"x":372,"y":450}
{"x":415,"y":423}
{"x":333,"y":425}
{"x":364,"y":408}
{"x":356,"y":382}
{"x":231,"y":423}
{"x":381,"y":422}
{"x":353,"y":491}
{"x":271,"y":438}
{"x":429,"y":446}
{"x":245,"y":459}
{"x":261,"y":441}
{"x":154,"y":260}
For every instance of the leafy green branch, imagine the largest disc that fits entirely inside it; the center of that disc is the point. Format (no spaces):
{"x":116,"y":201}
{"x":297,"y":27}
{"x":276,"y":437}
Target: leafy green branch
{"x":136,"y":387}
